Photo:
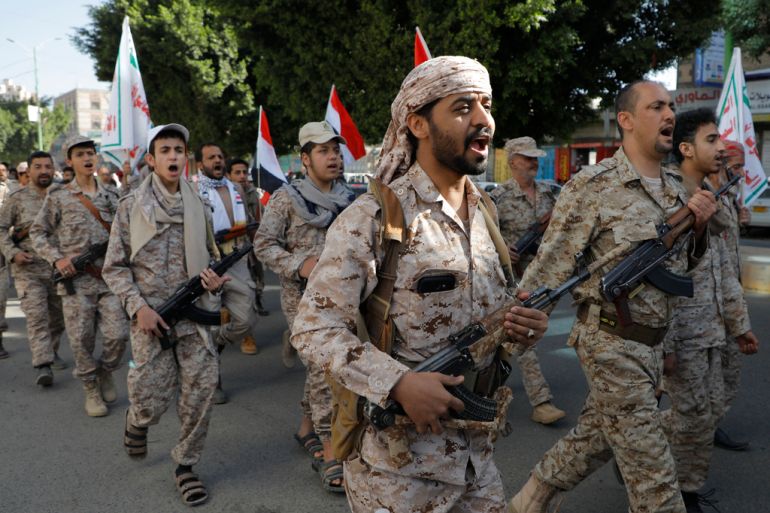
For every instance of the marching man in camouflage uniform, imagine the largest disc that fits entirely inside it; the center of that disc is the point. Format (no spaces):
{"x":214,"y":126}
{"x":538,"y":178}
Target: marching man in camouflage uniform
{"x":39,"y":301}
{"x":73,"y":218}
{"x":289,"y":241}
{"x":5,"y":191}
{"x":161,"y":238}
{"x":522,"y":201}
{"x":613,"y":205}
{"x":449,"y":275}
{"x":696,"y":338}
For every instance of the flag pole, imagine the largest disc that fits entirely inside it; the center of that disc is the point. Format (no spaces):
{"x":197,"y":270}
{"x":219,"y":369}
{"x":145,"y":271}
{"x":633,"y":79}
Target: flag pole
{"x":256,"y":149}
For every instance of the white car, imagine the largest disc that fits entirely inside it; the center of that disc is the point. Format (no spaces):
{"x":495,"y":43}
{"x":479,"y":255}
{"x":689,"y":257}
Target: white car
{"x":760,"y":211}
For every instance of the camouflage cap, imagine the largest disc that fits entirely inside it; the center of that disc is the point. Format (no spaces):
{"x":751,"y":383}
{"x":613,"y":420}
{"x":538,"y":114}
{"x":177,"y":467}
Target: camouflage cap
{"x":319,"y":133}
{"x":523,"y":146}
{"x":76,"y":140}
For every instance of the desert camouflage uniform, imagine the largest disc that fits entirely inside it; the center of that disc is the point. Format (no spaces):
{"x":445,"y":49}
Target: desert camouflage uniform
{"x":697,"y":335}
{"x":251,"y":198}
{"x":192,"y":367}
{"x":284,"y":240}
{"x":516,"y":213}
{"x":602,"y":207}
{"x":453,"y":471}
{"x":6,"y":189}
{"x":65,"y":227}
{"x":39,"y":301}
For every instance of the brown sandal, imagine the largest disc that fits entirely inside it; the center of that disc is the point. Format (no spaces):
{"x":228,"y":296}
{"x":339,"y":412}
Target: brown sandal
{"x":135,"y":440}
{"x":192,"y":490}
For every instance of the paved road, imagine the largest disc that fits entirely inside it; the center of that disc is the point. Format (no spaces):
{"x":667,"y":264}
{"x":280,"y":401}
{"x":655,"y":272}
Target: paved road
{"x":53,"y":458}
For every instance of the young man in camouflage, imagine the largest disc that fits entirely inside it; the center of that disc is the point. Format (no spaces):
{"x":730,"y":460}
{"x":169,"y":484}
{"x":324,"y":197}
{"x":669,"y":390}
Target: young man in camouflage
{"x":522,"y":201}
{"x":32,"y":274}
{"x":5,"y":190}
{"x":696,"y":337}
{"x":73,"y":218}
{"x":237,"y":171}
{"x":161,"y":239}
{"x":449,"y":275}
{"x":606,"y":211}
{"x":289,"y":241}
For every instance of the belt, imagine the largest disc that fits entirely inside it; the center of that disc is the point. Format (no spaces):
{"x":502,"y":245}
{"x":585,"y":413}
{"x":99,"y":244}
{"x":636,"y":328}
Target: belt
{"x":609,"y":323}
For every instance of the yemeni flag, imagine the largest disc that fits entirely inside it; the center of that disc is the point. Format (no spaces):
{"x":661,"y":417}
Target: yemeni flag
{"x":125,"y":126}
{"x":270,"y":177}
{"x":735,"y":124}
{"x":421,"y":52}
{"x":337,"y":116}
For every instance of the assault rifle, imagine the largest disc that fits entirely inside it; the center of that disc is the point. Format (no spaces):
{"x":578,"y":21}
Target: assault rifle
{"x":181,"y":303}
{"x":80,"y":263}
{"x":529,"y":242}
{"x":469,"y":346}
{"x":233,"y":233}
{"x":644,"y":264}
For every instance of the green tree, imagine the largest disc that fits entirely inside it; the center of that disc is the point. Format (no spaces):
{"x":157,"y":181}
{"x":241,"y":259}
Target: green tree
{"x":18,"y":135}
{"x":749,"y":23}
{"x":211,"y":63}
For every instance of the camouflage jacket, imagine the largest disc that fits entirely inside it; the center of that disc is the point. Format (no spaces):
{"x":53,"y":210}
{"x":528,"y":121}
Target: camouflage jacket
{"x":17,"y":214}
{"x":65,"y":227}
{"x":516,"y":212}
{"x":437,"y":242}
{"x":602,"y":207}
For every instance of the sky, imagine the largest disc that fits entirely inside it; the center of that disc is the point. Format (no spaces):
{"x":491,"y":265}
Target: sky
{"x":61,"y":67}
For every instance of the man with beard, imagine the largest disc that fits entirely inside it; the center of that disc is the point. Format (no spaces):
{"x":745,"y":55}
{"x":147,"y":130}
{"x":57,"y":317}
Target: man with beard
{"x":237,"y":170}
{"x":39,"y":301}
{"x":289,"y":241}
{"x":522,"y":201}
{"x":5,"y":190}
{"x":74,"y":218}
{"x":613,"y":206}
{"x":67,"y":174}
{"x":228,"y":211}
{"x":700,"y":324}
{"x":448,"y":275}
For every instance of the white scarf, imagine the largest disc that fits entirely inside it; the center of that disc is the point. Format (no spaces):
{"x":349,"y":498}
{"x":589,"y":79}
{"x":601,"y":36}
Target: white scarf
{"x":208,"y":191}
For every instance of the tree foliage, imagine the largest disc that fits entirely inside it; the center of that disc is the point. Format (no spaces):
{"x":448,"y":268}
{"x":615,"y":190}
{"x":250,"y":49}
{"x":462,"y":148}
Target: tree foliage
{"x":749,"y":22}
{"x":211,"y":63}
{"x":18,"y":135}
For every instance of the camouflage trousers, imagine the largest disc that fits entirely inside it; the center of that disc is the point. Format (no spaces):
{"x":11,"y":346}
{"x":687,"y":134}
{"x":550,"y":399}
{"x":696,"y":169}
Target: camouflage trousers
{"x":532,"y":377}
{"x":621,"y":418}
{"x":316,"y":400}
{"x":42,"y":308}
{"x":369,"y":490}
{"x":5,"y":284}
{"x":83,"y":314}
{"x":697,"y":402}
{"x":238,"y":298}
{"x":189,"y":372}
{"x":731,"y":372}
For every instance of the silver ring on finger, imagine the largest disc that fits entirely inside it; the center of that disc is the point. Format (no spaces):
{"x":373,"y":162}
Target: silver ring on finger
{"x":531,"y":333}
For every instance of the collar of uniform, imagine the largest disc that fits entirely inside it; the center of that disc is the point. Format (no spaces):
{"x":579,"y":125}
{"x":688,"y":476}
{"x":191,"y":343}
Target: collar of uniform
{"x":74,"y":187}
{"x":428,"y":192}
{"x":626,"y":171}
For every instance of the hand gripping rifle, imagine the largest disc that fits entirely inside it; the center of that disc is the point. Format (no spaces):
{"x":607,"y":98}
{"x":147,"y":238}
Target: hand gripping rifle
{"x":80,"y":262}
{"x":182,"y":303}
{"x":529,"y":242}
{"x":645,"y":263}
{"x":472,"y":343}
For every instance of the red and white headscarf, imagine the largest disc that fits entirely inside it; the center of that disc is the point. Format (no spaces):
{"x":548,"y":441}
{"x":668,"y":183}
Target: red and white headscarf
{"x":430,"y":81}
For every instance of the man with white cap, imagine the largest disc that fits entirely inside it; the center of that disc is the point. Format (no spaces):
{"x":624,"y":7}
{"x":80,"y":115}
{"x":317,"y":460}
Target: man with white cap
{"x":289,"y":241}
{"x":448,"y":275}
{"x":162,"y":237}
{"x":521,"y":202}
{"x":76,"y":218}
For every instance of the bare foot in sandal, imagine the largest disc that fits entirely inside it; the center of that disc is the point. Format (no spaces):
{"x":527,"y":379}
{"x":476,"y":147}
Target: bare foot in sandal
{"x":308,"y":440}
{"x":330,"y":470}
{"x":190,"y":487}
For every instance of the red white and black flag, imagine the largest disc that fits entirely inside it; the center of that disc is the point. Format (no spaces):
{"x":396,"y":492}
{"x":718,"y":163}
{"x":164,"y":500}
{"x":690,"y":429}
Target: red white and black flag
{"x":421,"y":52}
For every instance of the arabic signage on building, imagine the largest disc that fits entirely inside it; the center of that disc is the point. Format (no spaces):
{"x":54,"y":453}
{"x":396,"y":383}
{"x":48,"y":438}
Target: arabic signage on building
{"x":709,"y":61}
{"x":690,"y":98}
{"x":759,"y":96}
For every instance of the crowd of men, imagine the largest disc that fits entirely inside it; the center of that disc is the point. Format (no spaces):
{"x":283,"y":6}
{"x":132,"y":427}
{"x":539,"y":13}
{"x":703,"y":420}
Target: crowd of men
{"x":372,"y":288}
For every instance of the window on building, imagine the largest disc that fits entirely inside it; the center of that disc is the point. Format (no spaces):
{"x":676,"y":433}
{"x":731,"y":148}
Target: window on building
{"x":96,"y":124}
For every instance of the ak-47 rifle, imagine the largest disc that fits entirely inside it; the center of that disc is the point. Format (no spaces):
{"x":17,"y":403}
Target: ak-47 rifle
{"x":529,"y":242}
{"x":233,"y":233}
{"x":80,"y":262}
{"x":473,"y":342}
{"x":645,"y":262}
{"x":181,"y":304}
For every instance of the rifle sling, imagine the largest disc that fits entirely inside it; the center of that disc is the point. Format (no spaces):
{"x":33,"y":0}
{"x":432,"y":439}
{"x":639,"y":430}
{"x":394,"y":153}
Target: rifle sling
{"x":92,"y":208}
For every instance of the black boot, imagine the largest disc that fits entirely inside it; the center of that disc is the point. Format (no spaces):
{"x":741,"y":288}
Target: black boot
{"x":3,"y":353}
{"x":723,"y":440}
{"x":44,"y":376}
{"x":693,"y":501}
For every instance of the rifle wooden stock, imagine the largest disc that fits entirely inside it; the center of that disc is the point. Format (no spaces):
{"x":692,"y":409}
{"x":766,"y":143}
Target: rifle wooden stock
{"x":233,"y":233}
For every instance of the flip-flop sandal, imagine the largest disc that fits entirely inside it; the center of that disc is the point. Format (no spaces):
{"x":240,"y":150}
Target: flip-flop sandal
{"x":192,"y":490}
{"x":312,"y":445}
{"x":135,"y":440}
{"x":330,"y":471}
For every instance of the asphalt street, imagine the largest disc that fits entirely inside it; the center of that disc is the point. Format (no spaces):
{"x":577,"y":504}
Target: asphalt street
{"x":53,"y":458}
